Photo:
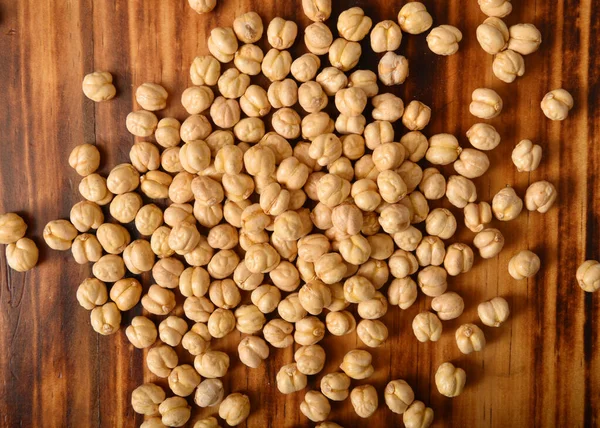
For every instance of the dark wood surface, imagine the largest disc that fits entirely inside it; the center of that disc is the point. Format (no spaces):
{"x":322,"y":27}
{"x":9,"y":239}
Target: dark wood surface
{"x":542,"y":368}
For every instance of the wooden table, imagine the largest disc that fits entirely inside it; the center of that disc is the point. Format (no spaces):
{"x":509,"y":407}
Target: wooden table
{"x":542,"y":368}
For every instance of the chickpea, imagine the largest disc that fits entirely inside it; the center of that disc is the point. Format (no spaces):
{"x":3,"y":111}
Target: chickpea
{"x":394,"y":218}
{"x":171,"y":330}
{"x":386,"y":36}
{"x":588,"y":276}
{"x":212,"y":364}
{"x":493,"y":35}
{"x":508,"y":65}
{"x":146,"y":398}
{"x":84,"y":159}
{"x":175,"y":411}
{"x":524,"y":38}
{"x":392,"y":189}
{"x":472,"y":163}
{"x":443,"y":40}
{"x":372,"y":333}
{"x":365,"y":80}
{"x":317,"y":10}
{"x":351,"y":101}
{"x":202,"y":6}
{"x":158,"y":300}
{"x":427,"y":327}
{"x":220,"y":323}
{"x":113,"y":238}
{"x":93,"y":188}
{"x":350,"y":124}
{"x":314,"y":296}
{"x":402,"y":292}
{"x":448,"y":306}
{"x":392,"y":69}
{"x":489,"y":242}
{"x":340,"y":323}
{"x":106,"y":319}
{"x":331,"y":79}
{"x":286,"y":122}
{"x":540,"y":196}
{"x":459,"y":259}
{"x":414,"y":142}
{"x":210,"y":422}
{"x":469,"y":338}
{"x":357,"y":364}
{"x":433,"y":184}
{"x":353,"y":25}
{"x":85,"y":249}
{"x":141,"y":333}
{"x":556,"y":104}
{"x":98,"y":86}
{"x":483,"y":136}
{"x":398,"y":395}
{"x":526,"y":156}
{"x":443,"y":149}
{"x":450,"y":380}
{"x":252,"y":351}
{"x":235,"y":409}
{"x":248,"y":59}
{"x":209,"y":393}
{"x":329,"y":268}
{"x":249,"y":319}
{"x":205,"y":70}
{"x":441,"y":222}
{"x":126,"y":293}
{"x":305,"y":67}
{"x":432,"y":281}
{"x":169,"y":160}
{"x":276,"y":65}
{"x":290,"y":379}
{"x":431,"y":251}
{"x":364,"y":400}
{"x":151,"y":96}
{"x":414,"y":18}
{"x":310,"y":359}
{"x":387,"y":107}
{"x":313,"y":125}
{"x":477,"y":216}
{"x":417,"y":415}
{"x":278,"y":333}
{"x":225,"y":113}
{"x":183,"y":380}
{"x":332,"y":190}
{"x":402,"y":264}
{"x":344,"y":54}
{"x":499,"y":8}
{"x":315,"y":406}
{"x":197,"y":99}
{"x":281,"y":34}
{"x":141,"y":123}
{"x":290,"y":308}
{"x":409,"y":239}
{"x":91,"y":293}
{"x":159,"y":241}
{"x":485,"y":104}
{"x":524,"y":264}
{"x":167,"y":132}
{"x":309,"y":331}
{"x":460,"y":191}
{"x":161,"y":360}
{"x":222,"y":44}
{"x":248,"y":27}
{"x":506,"y":204}
{"x":266,"y":298}
{"x":493,"y":313}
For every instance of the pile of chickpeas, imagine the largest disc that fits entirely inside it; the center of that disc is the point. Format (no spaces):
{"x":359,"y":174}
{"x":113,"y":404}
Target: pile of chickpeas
{"x":273,"y":217}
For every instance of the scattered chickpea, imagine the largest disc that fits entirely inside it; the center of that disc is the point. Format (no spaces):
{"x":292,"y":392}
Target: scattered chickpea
{"x":234,"y":409}
{"x":469,"y":338}
{"x":158,"y":300}
{"x":106,"y":319}
{"x":450,"y":380}
{"x":427,"y":327}
{"x":209,"y":393}
{"x":556,"y":104}
{"x":443,"y":40}
{"x":289,"y":379}
{"x":167,"y":132}
{"x":141,"y":123}
{"x":344,"y":54}
{"x":524,"y":38}
{"x":161,"y":360}
{"x":248,"y":59}
{"x":183,"y":380}
{"x":91,"y":293}
{"x":414,"y":18}
{"x":335,"y":386}
{"x":357,"y":364}
{"x":340,"y":323}
{"x":526,"y":156}
{"x":126,"y":293}
{"x":506,"y":204}
{"x":212,"y":364}
{"x":84,"y":159}
{"x":508,"y":65}
{"x":489,"y":242}
{"x":493,"y":313}
{"x":175,"y":411}
{"x":588,"y":276}
{"x":315,"y":406}
{"x":493,"y":35}
{"x":145,"y":399}
{"x":398,"y":396}
{"x":151,"y":96}
{"x":417,"y":415}
{"x":372,"y":333}
{"x":485,"y":104}
{"x":252,"y":350}
{"x":202,"y":6}
{"x":310,"y":359}
{"x":98,"y":86}
{"x":498,"y":8}
{"x":364,"y":400}
{"x":248,"y":27}
{"x":524,"y":264}
{"x":142,"y":332}
{"x":540,"y":196}
{"x":460,"y":191}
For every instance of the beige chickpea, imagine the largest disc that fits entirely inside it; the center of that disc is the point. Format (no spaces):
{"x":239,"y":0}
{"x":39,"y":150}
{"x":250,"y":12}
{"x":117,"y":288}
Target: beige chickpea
{"x":172,"y":329}
{"x":317,"y":10}
{"x":364,"y":400}
{"x":145,"y":399}
{"x":310,"y":359}
{"x":311,"y":97}
{"x":389,"y":156}
{"x":183,"y":238}
{"x":392,"y":188}
{"x":220,"y":323}
{"x":524,"y":38}
{"x":387,"y":107}
{"x":398,"y":395}
{"x":415,"y":144}
{"x":494,"y":312}
{"x":85,"y":248}
{"x":248,"y":27}
{"x":335,"y":386}
{"x":261,"y":258}
{"x":394,"y":218}
{"x":443,"y":149}
{"x":427,"y":327}
{"x":315,"y":406}
{"x":237,"y":187}
{"x":282,"y":93}
{"x":232,"y":211}
{"x":123,"y":178}
{"x":266,"y":298}
{"x":311,"y":247}
{"x":540,"y":196}
{"x":290,"y":308}
{"x":254,"y":219}
{"x":148,"y":219}
{"x":433,"y":184}
{"x":58,"y":234}
{"x":144,"y":156}
{"x":409,"y":239}
{"x":350,"y":124}
{"x":386,"y":36}
{"x":159,"y":241}
{"x":109,"y":268}
{"x":414,"y":18}
{"x":197,"y":99}
{"x":351,"y":101}
{"x":175,"y":412}
{"x":485,"y":104}
{"x":309,"y":331}
{"x":248,"y":59}
{"x":353,"y":146}
{"x":222,"y":44}
{"x":313,"y":125}
{"x":498,"y":8}
{"x":224,"y":112}
{"x":84,"y":159}
{"x":489,"y":242}
{"x":176,"y":213}
{"x":417,"y":415}
{"x":526,"y":156}
{"x":224,"y":294}
{"x":98,"y":86}
{"x":183,"y":380}
{"x":305,"y":67}
{"x":232,"y":83}
{"x":151,"y":96}
{"x":392,"y":69}
{"x":197,"y":126}
{"x":252,"y":351}
{"x":417,"y":205}
{"x":416,"y":116}
{"x":161,"y":360}
{"x":276,"y":65}
{"x":318,"y":39}
{"x":197,"y":340}
{"x":254,"y":102}
{"x":167,"y":132}
{"x":93,"y":188}
{"x":411,"y":173}
{"x":460,"y":191}
{"x":169,"y":160}
{"x":141,"y":333}
{"x":588,"y":276}
{"x":222,"y":264}
{"x":285,"y":276}
{"x":432,"y":281}
{"x":274,"y":200}
{"x":332,"y":190}
{"x":155,"y":184}
{"x":556,"y":104}
{"x":223,"y":237}
{"x":286,"y":122}
{"x":340,"y":323}
{"x":483,"y":136}
{"x":249,"y":319}
{"x":126,"y":293}
{"x":358,"y":289}
{"x":372,"y":333}
{"x":321,"y":216}
{"x":508,"y":65}
{"x":85,"y":215}
{"x":524,"y":264}
{"x":290,"y":379}
{"x":280,"y":146}
{"x":450,"y":380}
{"x":493,"y":35}
{"x":402,"y":292}
{"x":469,"y":338}
{"x":431,"y":251}
{"x":281,"y":34}
{"x":202,"y":6}
{"x":344,"y":54}
{"x":278,"y":333}
{"x":441,"y":222}
{"x":348,"y":218}
{"x":332,"y":79}
{"x":353,"y":25}
{"x":459,"y":259}
{"x":106,"y":319}
{"x":365,"y":80}
{"x":205,"y":70}
{"x":293,"y":174}
{"x":329,"y":268}
{"x":448,"y":306}
{"x":91,"y":293}
{"x":314,"y":296}
{"x":357,"y":364}
{"x":198,"y":309}
{"x":229,"y":160}
{"x":506,"y":204}
{"x":472,"y":163}
{"x":141,"y":123}
{"x":209,"y":393}
{"x":443,"y":40}
{"x":402,"y":264}
{"x":212,"y":364}
{"x":158,"y":300}
{"x":477,"y":216}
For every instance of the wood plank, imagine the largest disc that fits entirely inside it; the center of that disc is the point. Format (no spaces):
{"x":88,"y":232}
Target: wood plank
{"x":542,"y":368}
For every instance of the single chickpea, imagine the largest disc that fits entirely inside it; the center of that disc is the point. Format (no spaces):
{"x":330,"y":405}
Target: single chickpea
{"x":197,"y":126}
{"x":364,"y":400}
{"x":416,"y":145}
{"x":409,"y":239}
{"x":261,"y":258}
{"x":280,"y":146}
{"x":207,"y":192}
{"x":151,"y":96}
{"x":433,"y":281}
{"x":287,"y":123}
{"x":225,"y":113}
{"x":318,"y":38}
{"x":365,"y":80}
{"x":353,"y":146}
{"x":158,"y":300}
{"x":266,"y":298}
{"x":376,"y":271}
{"x":212,"y":364}
{"x":472,"y":163}
{"x":351,"y":101}
{"x":155,"y":184}
{"x":427,"y":327}
{"x":248,"y":59}
{"x":469,"y":338}
{"x":335,"y":386}
{"x":431,"y":251}
{"x":93,"y":188}
{"x":141,"y":123}
{"x":161,"y":360}
{"x":389,"y":156}
{"x":441,"y":222}
{"x":249,"y":319}
{"x":411,"y":173}
{"x":85,"y":248}
{"x":168,"y":132}
{"x":248,"y":27}
{"x":372,"y":333}
{"x":255,"y":102}
{"x":222,"y":264}
{"x":450,"y":380}
{"x":85,"y":215}
{"x":414,"y":18}
{"x":175,"y":411}
{"x":198,"y":309}
{"x":106,"y":319}
{"x":402,"y":264}
{"x":278,"y":333}
{"x":202,"y":6}
{"x":524,"y":38}
{"x":443,"y":149}
{"x":209,"y":393}
{"x":340,"y":323}
{"x":489,"y":242}
{"x":493,"y":313}
{"x":252,"y":350}
{"x":417,"y":415}
{"x":141,"y":333}
{"x":169,"y":160}
{"x":91,"y":293}
{"x":540,"y":196}
{"x":317,"y":10}
{"x":176,"y":213}
{"x":290,"y":308}
{"x":276,"y":65}
{"x":220,"y":323}
{"x":483,"y":136}
{"x":556,"y":104}
{"x":392,"y":189}
{"x":222,"y":44}
{"x":387,"y":107}
{"x":282,"y":93}
{"x":281,"y":34}
{"x":348,"y":218}
{"x":329,"y":268}
{"x":172,"y":329}
{"x":477,"y":216}
{"x":332,"y":190}
{"x":305,"y":67}
{"x":98,"y":86}
{"x":485,"y":104}
{"x":459,"y":259}
{"x":357,"y":364}
{"x":148,"y":219}
{"x":526,"y":156}
{"x":506,"y":204}
{"x":321,"y":216}
{"x":126,"y":293}
{"x":233,"y":84}
{"x":416,"y":117}
{"x":402,"y":292}
{"x":358,"y":289}
{"x":123,"y":178}
{"x":386,"y":36}
{"x":58,"y":234}
{"x":313,"y":125}
{"x":332,"y":80}
{"x":224,"y":294}
{"x":344,"y":54}
{"x":350,"y":124}
{"x":146,"y":398}
{"x":588,"y":276}
{"x":524,"y":264}
{"x":398,"y":396}
{"x":443,"y":40}
{"x":460,"y":191}
{"x":197,"y":99}
{"x":314,"y":296}
{"x":508,"y":65}
{"x":290,"y":379}
{"x":394,"y":218}
{"x":448,"y":306}
{"x":84,"y":159}
{"x":309,"y":331}
{"x":285,"y":276}
{"x":310,"y":359}
{"x":183,"y":380}
{"x":498,"y":8}
{"x":353,"y":25}
{"x":392,"y":69}
{"x":315,"y":406}
{"x":433,"y":184}
{"x":144,"y":156}
{"x":493,"y":35}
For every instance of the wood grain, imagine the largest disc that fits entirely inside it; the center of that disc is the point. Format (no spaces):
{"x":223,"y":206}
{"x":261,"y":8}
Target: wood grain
{"x":542,"y":368}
